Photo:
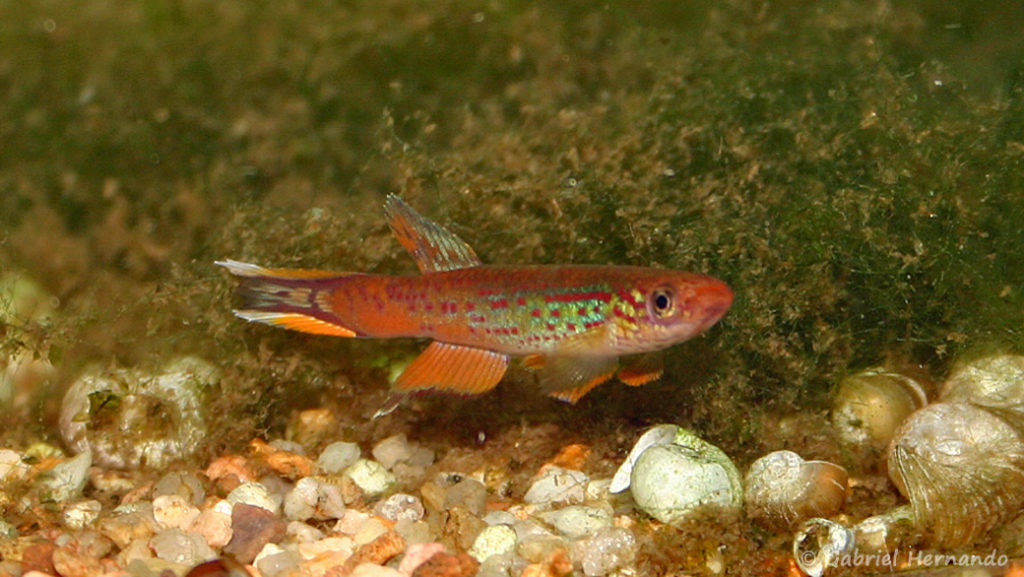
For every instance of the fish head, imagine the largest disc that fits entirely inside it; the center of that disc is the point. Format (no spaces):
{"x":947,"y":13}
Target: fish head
{"x":669,"y":307}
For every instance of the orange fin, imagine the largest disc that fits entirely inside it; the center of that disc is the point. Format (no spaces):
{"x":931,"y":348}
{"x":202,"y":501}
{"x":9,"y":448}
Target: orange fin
{"x":453,"y":368}
{"x":295,"y":322}
{"x":573,"y":395}
{"x":294,"y":299}
{"x":534,"y":362}
{"x":569,"y":378}
{"x":432,"y":246}
{"x":642,"y":370}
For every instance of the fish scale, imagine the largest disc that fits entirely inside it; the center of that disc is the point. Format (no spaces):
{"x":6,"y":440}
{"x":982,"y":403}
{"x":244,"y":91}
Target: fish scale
{"x":570,"y":322}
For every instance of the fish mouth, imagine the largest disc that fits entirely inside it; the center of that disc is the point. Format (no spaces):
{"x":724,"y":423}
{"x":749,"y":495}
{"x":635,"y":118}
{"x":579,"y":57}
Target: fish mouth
{"x":717,"y":298}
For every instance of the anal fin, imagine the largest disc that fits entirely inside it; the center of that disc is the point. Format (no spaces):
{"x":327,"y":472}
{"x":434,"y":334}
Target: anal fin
{"x":295,"y":322}
{"x":453,"y":368}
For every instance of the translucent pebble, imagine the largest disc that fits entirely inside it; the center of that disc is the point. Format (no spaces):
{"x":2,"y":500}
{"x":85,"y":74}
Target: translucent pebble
{"x":400,"y":506}
{"x":299,"y":532}
{"x":11,"y":465}
{"x":493,"y":540}
{"x":371,"y":477}
{"x":576,"y":521}
{"x":337,"y":457}
{"x":313,"y":498}
{"x":172,"y":511}
{"x":186,"y":484}
{"x":558,"y":486}
{"x":468,"y":493}
{"x":539,"y":548}
{"x":255,"y":494}
{"x":413,"y":532}
{"x":392,"y":450}
{"x":176,"y":546}
{"x":610,"y":549}
{"x":273,"y":561}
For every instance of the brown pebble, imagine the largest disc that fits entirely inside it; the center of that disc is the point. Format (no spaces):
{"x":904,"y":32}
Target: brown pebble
{"x":378,"y":552}
{"x":462,"y":527}
{"x":38,"y":557}
{"x":446,"y":565}
{"x":252,"y":528}
{"x":571,"y":457}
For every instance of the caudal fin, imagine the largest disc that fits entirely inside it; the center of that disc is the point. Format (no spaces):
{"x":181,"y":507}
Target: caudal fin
{"x":296,"y":299}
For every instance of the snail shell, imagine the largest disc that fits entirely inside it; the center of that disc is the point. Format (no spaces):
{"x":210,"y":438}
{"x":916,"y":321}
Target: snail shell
{"x":961,"y":468}
{"x":995,"y":383}
{"x":868,"y":408}
{"x":782,"y":489}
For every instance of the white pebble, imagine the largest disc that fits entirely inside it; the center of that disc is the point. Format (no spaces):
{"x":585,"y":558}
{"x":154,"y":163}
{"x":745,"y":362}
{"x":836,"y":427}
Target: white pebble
{"x":414,"y":532}
{"x":371,"y":477}
{"x":299,"y":532}
{"x":558,"y":486}
{"x":576,"y":521}
{"x":81,"y":513}
{"x":493,"y":540}
{"x":312,"y":498}
{"x":337,"y":457}
{"x":676,"y":483}
{"x":400,"y":506}
{"x":255,"y":494}
{"x":610,"y":549}
{"x":500,"y":518}
{"x":173,"y":511}
{"x":66,"y":481}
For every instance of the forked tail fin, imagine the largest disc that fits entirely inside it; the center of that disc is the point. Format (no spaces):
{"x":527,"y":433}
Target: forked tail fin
{"x":295,"y":299}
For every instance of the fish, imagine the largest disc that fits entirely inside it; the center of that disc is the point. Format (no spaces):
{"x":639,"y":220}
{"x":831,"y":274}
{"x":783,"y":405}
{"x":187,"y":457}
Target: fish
{"x":570,"y":324}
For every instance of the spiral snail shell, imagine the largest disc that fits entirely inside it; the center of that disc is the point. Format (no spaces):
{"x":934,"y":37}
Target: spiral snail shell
{"x":782,"y":489}
{"x":961,"y":468}
{"x":994,"y":383}
{"x":868,"y":408}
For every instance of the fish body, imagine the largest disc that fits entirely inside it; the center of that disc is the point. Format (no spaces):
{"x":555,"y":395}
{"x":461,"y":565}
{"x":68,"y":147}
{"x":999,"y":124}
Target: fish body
{"x":571,"y":323}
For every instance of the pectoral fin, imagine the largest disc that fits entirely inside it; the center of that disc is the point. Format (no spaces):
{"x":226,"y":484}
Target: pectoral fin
{"x":453,"y":368}
{"x":570,"y":378}
{"x":642,"y":369}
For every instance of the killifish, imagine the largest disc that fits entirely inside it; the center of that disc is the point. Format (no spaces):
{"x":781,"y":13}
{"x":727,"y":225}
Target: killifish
{"x":571,"y":322}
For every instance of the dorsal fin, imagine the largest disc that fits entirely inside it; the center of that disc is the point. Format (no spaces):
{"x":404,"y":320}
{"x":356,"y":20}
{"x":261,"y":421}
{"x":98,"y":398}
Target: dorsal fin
{"x":432,"y":247}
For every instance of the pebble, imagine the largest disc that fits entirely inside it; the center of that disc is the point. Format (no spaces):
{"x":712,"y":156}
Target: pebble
{"x":369,"y":531}
{"x":274,"y":561}
{"x":371,"y":477}
{"x":252,"y":527}
{"x":12,"y":468}
{"x":577,"y":521}
{"x":392,"y":450}
{"x":556,"y":486}
{"x":609,"y":549}
{"x":66,"y":480}
{"x":79,"y":514}
{"x":184,"y":484}
{"x":445,"y":565}
{"x":255,"y":494}
{"x":214,"y":524}
{"x":400,"y":506}
{"x":173,"y":512}
{"x":129,"y":522}
{"x":337,"y":457}
{"x":313,"y":498}
{"x":413,"y":531}
{"x":299,"y":532}
{"x":493,"y":540}
{"x":177,"y":546}
{"x":468,"y":493}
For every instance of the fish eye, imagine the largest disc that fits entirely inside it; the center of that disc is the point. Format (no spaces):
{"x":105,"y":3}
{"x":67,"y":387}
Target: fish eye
{"x":662,"y":302}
